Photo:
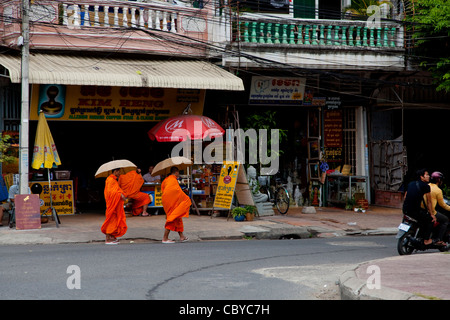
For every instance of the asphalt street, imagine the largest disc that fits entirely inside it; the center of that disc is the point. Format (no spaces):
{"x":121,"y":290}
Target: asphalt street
{"x":210,"y":270}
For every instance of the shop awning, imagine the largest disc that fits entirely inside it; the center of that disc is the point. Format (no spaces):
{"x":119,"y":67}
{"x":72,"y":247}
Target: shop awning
{"x":78,"y":70}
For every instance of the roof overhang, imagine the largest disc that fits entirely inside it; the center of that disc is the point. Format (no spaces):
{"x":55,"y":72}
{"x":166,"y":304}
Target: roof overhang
{"x":78,"y":70}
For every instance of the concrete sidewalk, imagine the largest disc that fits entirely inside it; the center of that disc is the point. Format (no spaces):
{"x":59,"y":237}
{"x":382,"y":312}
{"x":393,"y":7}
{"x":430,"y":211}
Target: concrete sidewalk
{"x":402,"y":277}
{"x":327,"y":222}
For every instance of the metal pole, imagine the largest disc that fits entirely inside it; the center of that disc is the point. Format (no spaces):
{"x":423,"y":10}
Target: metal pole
{"x":23,"y":147}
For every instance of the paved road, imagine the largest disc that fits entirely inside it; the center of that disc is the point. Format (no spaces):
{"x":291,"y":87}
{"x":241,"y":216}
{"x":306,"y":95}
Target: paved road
{"x":223,"y":270}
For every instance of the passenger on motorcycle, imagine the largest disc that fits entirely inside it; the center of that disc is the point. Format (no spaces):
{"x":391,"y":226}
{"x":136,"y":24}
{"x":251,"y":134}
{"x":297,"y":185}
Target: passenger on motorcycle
{"x":415,"y":193}
{"x":438,"y":198}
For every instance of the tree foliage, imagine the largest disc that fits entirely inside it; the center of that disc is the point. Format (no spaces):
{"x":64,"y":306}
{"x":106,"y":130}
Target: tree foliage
{"x":430,"y":26}
{"x":4,"y":146}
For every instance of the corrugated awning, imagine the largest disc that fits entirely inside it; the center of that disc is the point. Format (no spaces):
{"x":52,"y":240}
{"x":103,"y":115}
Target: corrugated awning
{"x":71,"y":70}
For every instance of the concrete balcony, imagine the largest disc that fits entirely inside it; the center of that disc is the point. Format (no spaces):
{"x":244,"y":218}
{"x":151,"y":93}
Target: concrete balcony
{"x":156,"y":27}
{"x":320,"y":44}
{"x":181,"y":30}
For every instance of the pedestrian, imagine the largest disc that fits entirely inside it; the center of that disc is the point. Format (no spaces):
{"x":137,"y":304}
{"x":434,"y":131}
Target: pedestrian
{"x":437,"y":198}
{"x":115,"y":223}
{"x":415,"y":194}
{"x":149,"y":178}
{"x":176,"y":204}
{"x":131,"y":183}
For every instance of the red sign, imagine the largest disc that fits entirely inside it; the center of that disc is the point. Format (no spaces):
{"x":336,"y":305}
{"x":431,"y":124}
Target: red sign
{"x":332,"y":127}
{"x":28,"y":214}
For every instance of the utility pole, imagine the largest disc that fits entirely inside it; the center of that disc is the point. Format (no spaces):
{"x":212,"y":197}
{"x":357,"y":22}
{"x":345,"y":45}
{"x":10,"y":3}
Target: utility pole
{"x":24,"y":127}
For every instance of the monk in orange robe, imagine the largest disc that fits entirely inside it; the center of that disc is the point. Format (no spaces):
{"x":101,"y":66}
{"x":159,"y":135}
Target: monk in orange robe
{"x":131,"y":183}
{"x":176,"y":204}
{"x":115,"y":223}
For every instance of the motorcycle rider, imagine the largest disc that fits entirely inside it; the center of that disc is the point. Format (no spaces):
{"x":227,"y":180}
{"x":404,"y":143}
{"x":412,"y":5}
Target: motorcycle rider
{"x":437,"y":197}
{"x":415,"y":193}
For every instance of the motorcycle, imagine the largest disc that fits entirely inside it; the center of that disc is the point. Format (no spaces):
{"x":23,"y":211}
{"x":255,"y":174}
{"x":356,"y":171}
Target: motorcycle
{"x":410,"y":238}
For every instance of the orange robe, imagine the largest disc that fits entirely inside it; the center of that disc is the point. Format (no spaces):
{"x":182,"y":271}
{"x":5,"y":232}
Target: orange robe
{"x":131,"y":184}
{"x":175,"y":202}
{"x":115,"y":222}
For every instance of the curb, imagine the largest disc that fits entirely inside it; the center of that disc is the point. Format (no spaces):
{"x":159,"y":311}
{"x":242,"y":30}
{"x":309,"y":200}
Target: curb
{"x":353,"y":288}
{"x":274,"y":232}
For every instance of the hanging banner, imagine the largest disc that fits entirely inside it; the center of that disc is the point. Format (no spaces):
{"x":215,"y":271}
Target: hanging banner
{"x":226,"y":185}
{"x":104,"y":103}
{"x":277,"y":91}
{"x":332,"y":129}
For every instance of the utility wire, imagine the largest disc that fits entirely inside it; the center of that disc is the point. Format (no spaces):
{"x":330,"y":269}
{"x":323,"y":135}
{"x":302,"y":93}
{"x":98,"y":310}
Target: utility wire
{"x":182,"y":40}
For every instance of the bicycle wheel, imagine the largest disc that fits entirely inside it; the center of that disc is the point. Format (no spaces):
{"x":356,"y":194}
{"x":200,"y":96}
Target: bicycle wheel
{"x":265,"y":190}
{"x":282,"y":200}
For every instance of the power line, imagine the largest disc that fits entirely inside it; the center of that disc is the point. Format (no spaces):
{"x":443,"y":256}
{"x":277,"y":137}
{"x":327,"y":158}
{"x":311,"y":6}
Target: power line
{"x":177,"y":40}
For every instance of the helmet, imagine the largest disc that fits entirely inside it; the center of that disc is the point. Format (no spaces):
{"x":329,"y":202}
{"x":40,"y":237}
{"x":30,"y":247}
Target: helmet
{"x":437,"y":176}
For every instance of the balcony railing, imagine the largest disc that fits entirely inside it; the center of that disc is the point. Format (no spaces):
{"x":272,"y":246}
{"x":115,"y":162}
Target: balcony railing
{"x":316,"y":33}
{"x":159,"y":16}
{"x":159,"y":27}
{"x":125,"y":25}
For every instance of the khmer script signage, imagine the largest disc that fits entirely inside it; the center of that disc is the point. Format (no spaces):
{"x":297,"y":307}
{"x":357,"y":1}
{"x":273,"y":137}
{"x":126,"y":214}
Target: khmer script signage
{"x":277,"y":91}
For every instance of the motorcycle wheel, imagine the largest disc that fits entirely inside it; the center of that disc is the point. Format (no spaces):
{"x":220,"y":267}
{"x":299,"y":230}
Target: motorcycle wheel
{"x":404,"y":246}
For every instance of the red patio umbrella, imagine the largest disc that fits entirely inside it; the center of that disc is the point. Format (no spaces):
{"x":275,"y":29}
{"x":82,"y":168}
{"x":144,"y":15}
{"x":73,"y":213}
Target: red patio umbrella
{"x":179,"y":128}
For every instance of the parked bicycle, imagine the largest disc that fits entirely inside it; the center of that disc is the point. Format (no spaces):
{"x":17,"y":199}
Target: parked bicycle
{"x":278,"y":195}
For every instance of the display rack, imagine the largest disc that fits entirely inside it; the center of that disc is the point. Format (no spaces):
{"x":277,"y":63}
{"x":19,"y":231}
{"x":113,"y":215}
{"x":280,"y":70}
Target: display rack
{"x":205,"y":179}
{"x":340,"y":188}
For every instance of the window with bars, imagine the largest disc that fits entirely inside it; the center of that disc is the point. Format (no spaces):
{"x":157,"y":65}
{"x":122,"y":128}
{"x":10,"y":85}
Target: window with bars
{"x":10,"y":108}
{"x":349,"y":137}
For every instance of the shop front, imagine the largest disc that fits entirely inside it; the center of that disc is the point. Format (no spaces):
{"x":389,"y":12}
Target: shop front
{"x":123,"y":109}
{"x":101,"y":109}
{"x":323,"y":154}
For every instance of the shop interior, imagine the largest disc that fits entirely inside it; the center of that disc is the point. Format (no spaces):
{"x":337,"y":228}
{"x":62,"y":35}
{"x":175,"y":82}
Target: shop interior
{"x":84,"y":146}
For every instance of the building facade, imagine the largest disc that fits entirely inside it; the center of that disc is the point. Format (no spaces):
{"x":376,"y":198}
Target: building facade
{"x":332,"y":80}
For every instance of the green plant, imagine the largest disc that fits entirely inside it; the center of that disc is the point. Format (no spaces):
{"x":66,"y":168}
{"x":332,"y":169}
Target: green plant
{"x":238,"y":211}
{"x":349,"y":203}
{"x":266,"y":121}
{"x":429,"y":28}
{"x":446,"y":191}
{"x":4,"y":146}
{"x":250,"y":209}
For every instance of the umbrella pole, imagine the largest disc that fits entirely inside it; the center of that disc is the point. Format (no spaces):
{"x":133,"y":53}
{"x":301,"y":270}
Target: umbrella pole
{"x":54,"y":214}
